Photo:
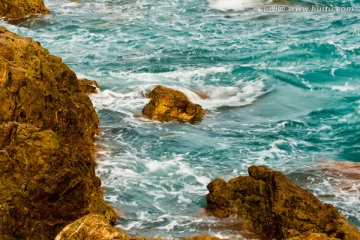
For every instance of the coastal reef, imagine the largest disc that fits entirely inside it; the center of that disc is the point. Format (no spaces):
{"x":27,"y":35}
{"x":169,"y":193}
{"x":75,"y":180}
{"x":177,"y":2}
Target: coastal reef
{"x":167,"y":104}
{"x":274,"y":206}
{"x":47,"y":128}
{"x":11,"y":9}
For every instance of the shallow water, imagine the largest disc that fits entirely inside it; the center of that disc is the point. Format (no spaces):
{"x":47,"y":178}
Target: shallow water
{"x":282,"y":90}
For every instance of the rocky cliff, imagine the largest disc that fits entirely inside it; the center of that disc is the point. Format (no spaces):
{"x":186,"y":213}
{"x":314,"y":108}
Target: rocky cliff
{"x":47,"y":128}
{"x":275,"y":207}
{"x":47,"y":125}
{"x":20,"y":8}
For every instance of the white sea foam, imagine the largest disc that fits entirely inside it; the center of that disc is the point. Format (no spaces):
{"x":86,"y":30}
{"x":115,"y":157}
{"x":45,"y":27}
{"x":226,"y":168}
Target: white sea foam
{"x":235,"y":5}
{"x":344,"y":88}
{"x":209,"y":97}
{"x":170,"y":226}
{"x":183,"y":75}
{"x":242,"y":94}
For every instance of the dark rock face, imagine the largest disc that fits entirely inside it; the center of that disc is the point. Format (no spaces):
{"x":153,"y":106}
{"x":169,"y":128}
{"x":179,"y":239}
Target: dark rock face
{"x":276,"y":207}
{"x":47,"y":128}
{"x":171,"y":105}
{"x":20,"y":8}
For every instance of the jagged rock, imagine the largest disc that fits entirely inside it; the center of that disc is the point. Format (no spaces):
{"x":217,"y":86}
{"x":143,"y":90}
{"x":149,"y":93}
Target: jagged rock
{"x":88,"y":86}
{"x":275,"y":207}
{"x":47,"y":128}
{"x":21,"y":8}
{"x":171,"y":105}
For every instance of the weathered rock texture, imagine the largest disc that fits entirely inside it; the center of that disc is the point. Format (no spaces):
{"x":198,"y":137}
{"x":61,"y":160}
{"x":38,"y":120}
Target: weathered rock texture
{"x":171,"y":105}
{"x":276,"y":207}
{"x":88,"y":86}
{"x":21,"y":8}
{"x":47,"y":128}
{"x":314,"y":236}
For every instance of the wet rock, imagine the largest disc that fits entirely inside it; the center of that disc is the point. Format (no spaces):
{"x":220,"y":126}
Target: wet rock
{"x":275,"y":207}
{"x":20,"y":8}
{"x":171,"y":105}
{"x":47,"y":128}
{"x":88,"y":86}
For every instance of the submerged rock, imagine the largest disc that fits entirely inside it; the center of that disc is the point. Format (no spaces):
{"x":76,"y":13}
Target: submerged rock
{"x":47,"y":128}
{"x":275,"y":207}
{"x":167,"y":104}
{"x":21,"y":8}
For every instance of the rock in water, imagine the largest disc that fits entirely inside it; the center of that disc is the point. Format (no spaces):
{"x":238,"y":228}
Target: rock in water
{"x":21,"y":8}
{"x":47,"y":128}
{"x":171,"y":105}
{"x":276,"y":207}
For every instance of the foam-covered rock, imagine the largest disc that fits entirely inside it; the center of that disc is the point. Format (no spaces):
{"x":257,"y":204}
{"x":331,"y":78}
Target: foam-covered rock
{"x":275,"y":207}
{"x":167,"y":104}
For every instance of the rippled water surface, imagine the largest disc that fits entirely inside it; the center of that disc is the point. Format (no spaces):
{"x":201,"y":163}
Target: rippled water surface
{"x":283,"y":89}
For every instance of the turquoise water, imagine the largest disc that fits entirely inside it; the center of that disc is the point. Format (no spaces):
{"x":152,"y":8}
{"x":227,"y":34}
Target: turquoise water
{"x":283,"y":89}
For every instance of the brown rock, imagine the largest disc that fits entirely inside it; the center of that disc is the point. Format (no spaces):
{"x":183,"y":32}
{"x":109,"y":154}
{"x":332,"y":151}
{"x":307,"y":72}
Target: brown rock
{"x":88,"y":86}
{"x":21,"y":8}
{"x":314,"y":236}
{"x":47,"y":128}
{"x":92,"y":226}
{"x":276,"y":207}
{"x":171,"y":105}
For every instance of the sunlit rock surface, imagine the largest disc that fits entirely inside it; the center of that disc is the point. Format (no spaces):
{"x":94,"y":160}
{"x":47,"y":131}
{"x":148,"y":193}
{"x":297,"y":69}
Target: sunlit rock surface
{"x":275,"y":207}
{"x":167,"y":104}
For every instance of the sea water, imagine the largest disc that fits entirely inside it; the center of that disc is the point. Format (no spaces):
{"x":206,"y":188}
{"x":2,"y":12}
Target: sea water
{"x":280,"y":88}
